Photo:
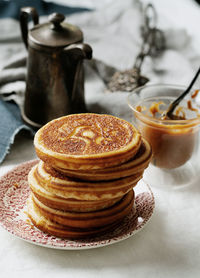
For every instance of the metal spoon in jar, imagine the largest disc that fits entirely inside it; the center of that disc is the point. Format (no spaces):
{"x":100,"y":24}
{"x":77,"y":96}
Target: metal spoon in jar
{"x":169,"y":113}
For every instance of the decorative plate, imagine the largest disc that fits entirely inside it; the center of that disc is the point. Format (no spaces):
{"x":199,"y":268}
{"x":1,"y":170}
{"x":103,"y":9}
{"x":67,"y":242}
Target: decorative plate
{"x":14,"y":191}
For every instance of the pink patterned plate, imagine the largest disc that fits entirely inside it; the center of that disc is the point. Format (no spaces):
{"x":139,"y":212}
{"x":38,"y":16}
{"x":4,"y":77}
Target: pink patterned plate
{"x":14,"y":192}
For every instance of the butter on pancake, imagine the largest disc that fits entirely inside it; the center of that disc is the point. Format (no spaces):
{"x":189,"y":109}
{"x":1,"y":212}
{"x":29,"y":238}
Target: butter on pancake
{"x":86,"y":141}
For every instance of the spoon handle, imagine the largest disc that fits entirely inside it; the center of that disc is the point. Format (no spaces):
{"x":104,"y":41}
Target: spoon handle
{"x":176,"y":102}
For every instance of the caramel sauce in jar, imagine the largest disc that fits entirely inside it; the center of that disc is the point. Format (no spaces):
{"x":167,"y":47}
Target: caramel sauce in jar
{"x":172,"y":145}
{"x":173,"y":141}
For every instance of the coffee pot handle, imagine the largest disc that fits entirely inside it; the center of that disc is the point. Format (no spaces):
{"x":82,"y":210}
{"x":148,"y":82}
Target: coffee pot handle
{"x":24,"y":15}
{"x":81,"y":51}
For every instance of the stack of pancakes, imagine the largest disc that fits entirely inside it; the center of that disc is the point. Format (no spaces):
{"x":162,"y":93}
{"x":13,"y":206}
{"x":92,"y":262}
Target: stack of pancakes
{"x":83,"y":183}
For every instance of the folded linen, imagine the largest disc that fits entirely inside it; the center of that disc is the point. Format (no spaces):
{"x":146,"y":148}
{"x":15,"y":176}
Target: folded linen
{"x":113,"y":31}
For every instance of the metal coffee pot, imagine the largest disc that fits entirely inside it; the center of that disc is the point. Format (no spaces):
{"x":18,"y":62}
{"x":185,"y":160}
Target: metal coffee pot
{"x":55,"y":77}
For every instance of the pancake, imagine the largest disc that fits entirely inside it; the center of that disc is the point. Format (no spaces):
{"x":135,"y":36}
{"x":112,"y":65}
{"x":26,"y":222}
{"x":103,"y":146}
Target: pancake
{"x":65,"y":187}
{"x":87,"y":219}
{"x":61,"y":231}
{"x":86,"y":141}
{"x":136,"y":164}
{"x":56,"y":202}
{"x":64,"y":231}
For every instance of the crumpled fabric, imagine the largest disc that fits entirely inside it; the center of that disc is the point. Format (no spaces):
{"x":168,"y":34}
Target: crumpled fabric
{"x":113,"y":31}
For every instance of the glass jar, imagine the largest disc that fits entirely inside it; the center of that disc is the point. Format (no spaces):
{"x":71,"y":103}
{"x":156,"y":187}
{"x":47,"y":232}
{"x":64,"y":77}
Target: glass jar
{"x":175,"y":143}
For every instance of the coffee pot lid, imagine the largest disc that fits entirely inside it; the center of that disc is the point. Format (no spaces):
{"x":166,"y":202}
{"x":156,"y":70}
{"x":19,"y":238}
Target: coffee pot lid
{"x":55,"y":33}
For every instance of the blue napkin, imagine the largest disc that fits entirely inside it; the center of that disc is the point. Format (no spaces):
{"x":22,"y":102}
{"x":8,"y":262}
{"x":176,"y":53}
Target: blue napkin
{"x":10,"y":124}
{"x":12,"y":8}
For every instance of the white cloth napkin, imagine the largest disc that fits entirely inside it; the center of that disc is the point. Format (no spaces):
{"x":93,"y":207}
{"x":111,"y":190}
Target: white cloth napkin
{"x":113,"y":31}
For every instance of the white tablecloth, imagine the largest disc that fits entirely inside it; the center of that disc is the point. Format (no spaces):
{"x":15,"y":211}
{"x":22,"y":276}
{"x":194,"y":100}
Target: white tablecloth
{"x":169,"y":246}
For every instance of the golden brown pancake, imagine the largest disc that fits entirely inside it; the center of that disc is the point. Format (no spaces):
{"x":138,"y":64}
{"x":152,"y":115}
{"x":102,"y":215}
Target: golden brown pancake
{"x":135,"y":165}
{"x":87,"y":219}
{"x":86,"y":141}
{"x":74,"y":205}
{"x":58,"y":230}
{"x":64,"y":231}
{"x":65,"y":187}
{"x":83,"y":184}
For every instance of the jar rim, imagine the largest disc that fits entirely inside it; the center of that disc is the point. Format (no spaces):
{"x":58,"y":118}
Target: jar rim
{"x":163,"y":122}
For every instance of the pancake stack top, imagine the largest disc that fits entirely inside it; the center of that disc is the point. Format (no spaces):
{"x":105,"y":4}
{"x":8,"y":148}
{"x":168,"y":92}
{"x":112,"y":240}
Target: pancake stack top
{"x":83,"y":183}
